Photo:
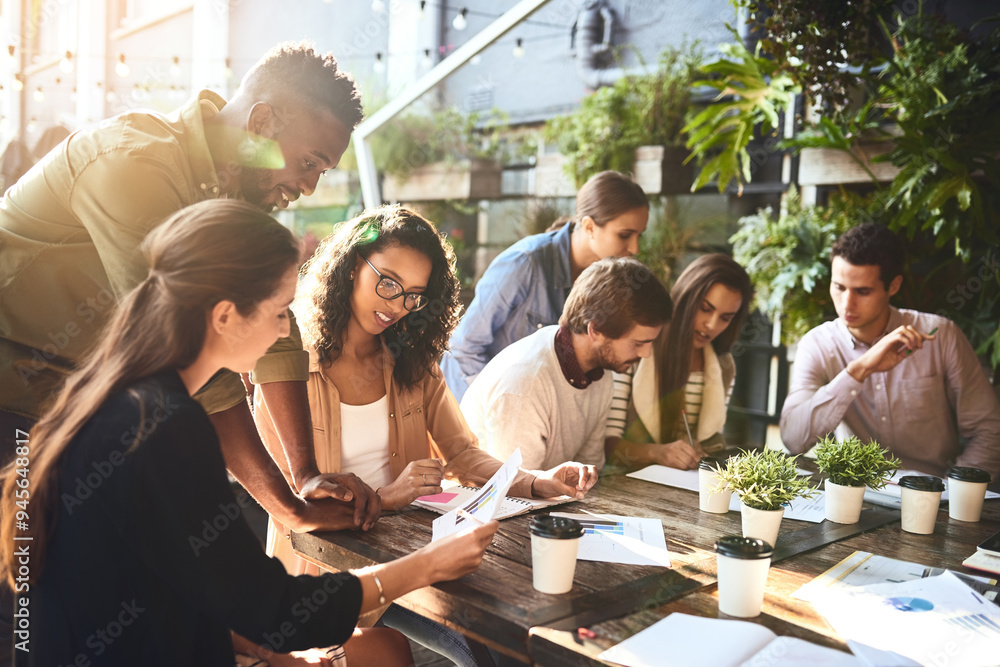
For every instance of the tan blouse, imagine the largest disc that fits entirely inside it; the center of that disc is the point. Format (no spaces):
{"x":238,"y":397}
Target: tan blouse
{"x":424,"y":422}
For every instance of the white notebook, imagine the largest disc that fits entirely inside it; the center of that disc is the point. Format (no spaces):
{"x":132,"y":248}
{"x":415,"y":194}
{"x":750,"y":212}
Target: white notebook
{"x":681,"y":640}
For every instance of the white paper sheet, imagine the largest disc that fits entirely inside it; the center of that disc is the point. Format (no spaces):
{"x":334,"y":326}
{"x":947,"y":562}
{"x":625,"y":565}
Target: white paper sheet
{"x":609,"y":538}
{"x":935,"y":620}
{"x":681,"y":640}
{"x":485,"y":504}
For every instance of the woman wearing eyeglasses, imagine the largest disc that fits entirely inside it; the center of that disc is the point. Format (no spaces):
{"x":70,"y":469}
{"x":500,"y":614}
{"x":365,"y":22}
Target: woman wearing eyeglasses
{"x":376,"y":307}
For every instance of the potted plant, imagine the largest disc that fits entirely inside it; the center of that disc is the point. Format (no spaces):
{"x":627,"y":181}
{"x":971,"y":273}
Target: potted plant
{"x":766,"y":480}
{"x":635,"y":125}
{"x":850,"y":466}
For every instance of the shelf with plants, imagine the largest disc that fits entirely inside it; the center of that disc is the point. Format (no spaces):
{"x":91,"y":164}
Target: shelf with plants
{"x":634,"y":126}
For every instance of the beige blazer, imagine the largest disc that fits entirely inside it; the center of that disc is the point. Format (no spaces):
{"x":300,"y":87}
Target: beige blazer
{"x":424,"y":422}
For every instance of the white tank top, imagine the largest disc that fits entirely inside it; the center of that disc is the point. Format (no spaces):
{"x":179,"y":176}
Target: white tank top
{"x":364,"y":441}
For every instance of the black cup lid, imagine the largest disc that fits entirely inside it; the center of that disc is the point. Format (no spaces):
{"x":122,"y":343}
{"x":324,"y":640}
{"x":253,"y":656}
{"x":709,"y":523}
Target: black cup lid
{"x":747,"y":548}
{"x":921,"y":483}
{"x":964,"y":474}
{"x":711,"y":463}
{"x":555,"y":527}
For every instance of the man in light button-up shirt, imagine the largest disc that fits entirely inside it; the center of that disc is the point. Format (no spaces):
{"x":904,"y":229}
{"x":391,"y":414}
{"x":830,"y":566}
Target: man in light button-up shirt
{"x":907,"y":379}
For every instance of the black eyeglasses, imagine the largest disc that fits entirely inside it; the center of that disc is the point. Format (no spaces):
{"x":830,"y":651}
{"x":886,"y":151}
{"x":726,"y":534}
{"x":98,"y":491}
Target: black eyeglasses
{"x":387,"y":288}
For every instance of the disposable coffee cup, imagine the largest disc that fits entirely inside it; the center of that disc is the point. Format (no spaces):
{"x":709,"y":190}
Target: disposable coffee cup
{"x":709,"y":500}
{"x":742,"y":564}
{"x":966,"y":492}
{"x":554,"y":542}
{"x":921,"y":498}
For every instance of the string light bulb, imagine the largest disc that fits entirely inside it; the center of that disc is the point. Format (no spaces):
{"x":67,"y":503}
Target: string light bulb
{"x":379,"y":63}
{"x":121,"y":68}
{"x":175,"y":67}
{"x":423,"y":6}
{"x":459,"y":23}
{"x":32,"y":125}
{"x":426,"y":61}
{"x":66,"y":64}
{"x":17,"y":84}
{"x":38,"y":95}
{"x":518,"y":48}
{"x":227,"y":69}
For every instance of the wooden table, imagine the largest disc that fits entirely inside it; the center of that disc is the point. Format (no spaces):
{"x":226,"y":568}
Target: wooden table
{"x":497,"y":604}
{"x":558,"y":644}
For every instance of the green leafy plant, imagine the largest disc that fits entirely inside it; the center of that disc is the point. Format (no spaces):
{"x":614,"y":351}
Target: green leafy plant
{"x":850,"y":462}
{"x":753,"y":91}
{"x":414,"y":139}
{"x":936,"y":87}
{"x":787,"y":260}
{"x":765,"y":479}
{"x":814,"y":41}
{"x":638,"y":110}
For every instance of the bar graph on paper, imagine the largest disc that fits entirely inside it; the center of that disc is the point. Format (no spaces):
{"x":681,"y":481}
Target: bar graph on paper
{"x":979,"y":623}
{"x":595,"y":526}
{"x":608,"y":538}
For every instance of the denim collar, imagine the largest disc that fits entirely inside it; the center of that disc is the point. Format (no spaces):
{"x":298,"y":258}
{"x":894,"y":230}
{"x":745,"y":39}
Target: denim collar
{"x":562,"y":275}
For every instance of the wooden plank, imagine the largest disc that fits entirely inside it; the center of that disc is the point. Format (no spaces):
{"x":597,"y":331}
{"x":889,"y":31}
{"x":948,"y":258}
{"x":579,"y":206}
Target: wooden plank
{"x":826,"y":166}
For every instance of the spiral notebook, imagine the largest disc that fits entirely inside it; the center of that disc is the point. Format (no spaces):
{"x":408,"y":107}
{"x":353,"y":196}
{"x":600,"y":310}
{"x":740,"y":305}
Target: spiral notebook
{"x":455,"y":496}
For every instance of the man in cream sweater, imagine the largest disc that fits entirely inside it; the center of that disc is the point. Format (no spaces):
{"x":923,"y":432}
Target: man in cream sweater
{"x":548,"y":393}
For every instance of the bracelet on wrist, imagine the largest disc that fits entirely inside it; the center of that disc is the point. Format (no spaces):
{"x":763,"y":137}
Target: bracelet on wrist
{"x":381,"y":592}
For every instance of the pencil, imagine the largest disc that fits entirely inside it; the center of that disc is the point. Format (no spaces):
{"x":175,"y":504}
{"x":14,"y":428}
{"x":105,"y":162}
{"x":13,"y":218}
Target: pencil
{"x":932,"y":332}
{"x":471,"y":517}
{"x":687,"y":426}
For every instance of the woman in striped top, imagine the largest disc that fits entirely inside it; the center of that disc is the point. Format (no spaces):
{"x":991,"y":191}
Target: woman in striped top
{"x":690,"y":374}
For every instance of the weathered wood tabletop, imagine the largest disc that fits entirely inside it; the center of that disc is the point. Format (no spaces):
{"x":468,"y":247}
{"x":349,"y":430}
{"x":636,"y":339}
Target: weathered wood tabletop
{"x":498,"y":606}
{"x":558,"y":644}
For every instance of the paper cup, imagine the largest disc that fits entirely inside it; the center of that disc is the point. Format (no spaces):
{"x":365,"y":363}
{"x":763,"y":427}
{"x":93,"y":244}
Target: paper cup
{"x":921,"y":499}
{"x":742,"y":564}
{"x":966,"y":492}
{"x":554,"y":543}
{"x":708,"y":479}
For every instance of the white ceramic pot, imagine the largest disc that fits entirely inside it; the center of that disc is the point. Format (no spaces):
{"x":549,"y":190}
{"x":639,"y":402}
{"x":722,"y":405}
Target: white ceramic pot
{"x":762,"y":524}
{"x":843,"y":503}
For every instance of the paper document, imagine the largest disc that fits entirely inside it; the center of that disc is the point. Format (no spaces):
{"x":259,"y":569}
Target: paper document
{"x":862,"y":568}
{"x":680,"y":479}
{"x":609,"y":538}
{"x":681,"y":640}
{"x":485,"y":504}
{"x":927,"y":620}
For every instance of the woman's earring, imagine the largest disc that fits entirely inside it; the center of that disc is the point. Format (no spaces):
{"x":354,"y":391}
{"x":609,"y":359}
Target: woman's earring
{"x":351,"y":277}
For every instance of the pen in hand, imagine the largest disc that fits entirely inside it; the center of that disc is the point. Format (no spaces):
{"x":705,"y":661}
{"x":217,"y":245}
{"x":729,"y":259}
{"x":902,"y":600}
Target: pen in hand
{"x":688,"y":427}
{"x":932,"y":332}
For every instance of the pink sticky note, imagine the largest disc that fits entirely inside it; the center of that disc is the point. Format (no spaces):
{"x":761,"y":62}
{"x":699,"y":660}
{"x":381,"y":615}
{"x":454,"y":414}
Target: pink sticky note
{"x":443,"y":498}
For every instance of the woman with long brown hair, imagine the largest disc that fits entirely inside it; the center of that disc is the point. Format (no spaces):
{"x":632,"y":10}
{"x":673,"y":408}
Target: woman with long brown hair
{"x":134,"y":552}
{"x":690,"y":374}
{"x":377,"y":303}
{"x":525,"y":287}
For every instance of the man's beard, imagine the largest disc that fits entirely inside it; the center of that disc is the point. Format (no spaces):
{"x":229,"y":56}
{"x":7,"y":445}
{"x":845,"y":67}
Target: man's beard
{"x":255,"y":187}
{"x":606,"y":360}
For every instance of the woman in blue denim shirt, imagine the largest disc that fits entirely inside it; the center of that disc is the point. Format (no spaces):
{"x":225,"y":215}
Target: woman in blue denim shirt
{"x":525,"y":287}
